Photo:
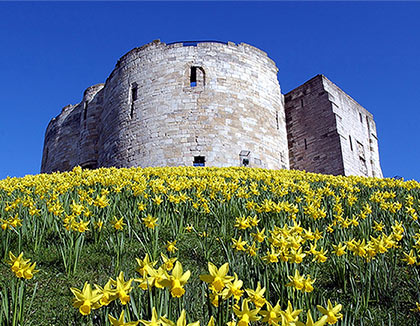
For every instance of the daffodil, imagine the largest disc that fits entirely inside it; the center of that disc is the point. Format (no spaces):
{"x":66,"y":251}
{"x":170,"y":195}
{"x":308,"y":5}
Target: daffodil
{"x":244,"y":314}
{"x":170,"y":246}
{"x":120,"y":321}
{"x":86,"y":299}
{"x":217,"y":277}
{"x":123,"y":288}
{"x":168,"y":263}
{"x":177,"y":280}
{"x":150,"y":222}
{"x":272,"y":315}
{"x":155,"y":321}
{"x":290,"y":315}
{"x":310,"y":322}
{"x":297,"y":281}
{"x":233,"y":289}
{"x":143,"y":264}
{"x":182,"y":320}
{"x":331,"y":312}
{"x":257,"y":295}
{"x":118,"y":223}
{"x":108,"y":292}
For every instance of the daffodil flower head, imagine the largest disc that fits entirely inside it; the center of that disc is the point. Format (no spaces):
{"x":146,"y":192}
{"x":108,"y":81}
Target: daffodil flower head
{"x":257,"y":295}
{"x":120,"y":321}
{"x":331,"y":312}
{"x":123,"y":288}
{"x":218,"y":277}
{"x":245,"y":314}
{"x":86,"y":299}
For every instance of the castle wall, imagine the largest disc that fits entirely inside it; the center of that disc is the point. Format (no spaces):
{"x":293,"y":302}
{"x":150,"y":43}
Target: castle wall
{"x":61,"y":147}
{"x":357,"y":130}
{"x":329,"y":132}
{"x":89,"y":127}
{"x":314,"y":144}
{"x":234,"y":107}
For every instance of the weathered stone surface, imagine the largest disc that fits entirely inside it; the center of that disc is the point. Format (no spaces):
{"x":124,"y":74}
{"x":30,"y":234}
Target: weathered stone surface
{"x":172,"y":104}
{"x":329,"y":132}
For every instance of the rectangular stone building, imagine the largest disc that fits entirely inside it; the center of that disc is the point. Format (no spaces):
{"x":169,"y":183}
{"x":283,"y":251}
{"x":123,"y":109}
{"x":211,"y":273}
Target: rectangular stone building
{"x":329,"y":132}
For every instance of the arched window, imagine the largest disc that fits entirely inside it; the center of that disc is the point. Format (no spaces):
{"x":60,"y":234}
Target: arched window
{"x":197,"y":76}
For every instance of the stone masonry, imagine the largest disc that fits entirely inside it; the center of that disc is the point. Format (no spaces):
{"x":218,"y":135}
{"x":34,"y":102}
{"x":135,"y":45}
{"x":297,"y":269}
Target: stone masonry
{"x":211,"y":104}
{"x":329,"y":132}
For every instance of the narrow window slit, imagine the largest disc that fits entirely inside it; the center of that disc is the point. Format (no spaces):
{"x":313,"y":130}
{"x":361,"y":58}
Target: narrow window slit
{"x":306,"y":144}
{"x":199,"y":161}
{"x":193,"y":77}
{"x":133,"y":98}
{"x":85,"y":110}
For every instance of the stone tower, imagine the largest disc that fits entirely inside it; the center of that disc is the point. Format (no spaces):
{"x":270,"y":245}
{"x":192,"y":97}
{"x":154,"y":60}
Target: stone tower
{"x":186,"y":103}
{"x":211,"y":103}
{"x":329,"y":132}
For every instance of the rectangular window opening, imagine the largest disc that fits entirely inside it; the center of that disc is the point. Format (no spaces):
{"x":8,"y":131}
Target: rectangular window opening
{"x":351,"y":144}
{"x":193,"y":77}
{"x":85,"y":110}
{"x":199,"y":161}
{"x":134,"y":93}
{"x":361,"y":118}
{"x":306,"y":144}
{"x":301,"y":102}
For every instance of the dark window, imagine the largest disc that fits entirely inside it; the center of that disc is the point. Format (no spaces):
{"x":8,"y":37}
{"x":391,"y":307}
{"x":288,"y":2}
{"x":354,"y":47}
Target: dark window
{"x":193,"y":77}
{"x":301,"y":102}
{"x":351,"y":145}
{"x":199,"y":161}
{"x":277,"y":120}
{"x":133,"y":98}
{"x":306,"y":144}
{"x":85,"y":110}
{"x":134,"y":92}
{"x":244,"y":158}
{"x":361,"y":118}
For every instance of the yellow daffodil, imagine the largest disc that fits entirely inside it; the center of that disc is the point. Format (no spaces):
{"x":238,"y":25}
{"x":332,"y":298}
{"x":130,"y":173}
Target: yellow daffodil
{"x":150,"y":222}
{"x":238,"y":244}
{"x":143,"y":264}
{"x":170,"y":246}
{"x":331,"y":312}
{"x":86,"y":299}
{"x":218,"y":277}
{"x":168,"y":263}
{"x":177,"y":280}
{"x":120,"y":321}
{"x":182,"y":321}
{"x":272,"y":315}
{"x":123,"y":288}
{"x":290,"y":315}
{"x":257,"y":295}
{"x":233,"y":289}
{"x":244,"y":314}
{"x":259,"y":236}
{"x":118,"y":223}
{"x":108,"y":292}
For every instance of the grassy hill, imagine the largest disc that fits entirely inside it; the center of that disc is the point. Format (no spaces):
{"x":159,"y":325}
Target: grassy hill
{"x":280,"y":245}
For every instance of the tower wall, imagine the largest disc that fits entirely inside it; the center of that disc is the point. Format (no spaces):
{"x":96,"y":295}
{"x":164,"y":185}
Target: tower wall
{"x":314,"y":144}
{"x":234,"y":107}
{"x":357,"y":130}
{"x":61,"y":144}
{"x":329,"y":132}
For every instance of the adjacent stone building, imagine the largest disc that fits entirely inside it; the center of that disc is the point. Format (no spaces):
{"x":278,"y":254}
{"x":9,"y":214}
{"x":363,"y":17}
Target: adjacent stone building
{"x":211,"y":104}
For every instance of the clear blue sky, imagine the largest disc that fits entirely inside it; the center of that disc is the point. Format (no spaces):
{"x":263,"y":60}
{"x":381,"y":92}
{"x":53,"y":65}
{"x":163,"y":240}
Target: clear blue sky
{"x":51,"y":52}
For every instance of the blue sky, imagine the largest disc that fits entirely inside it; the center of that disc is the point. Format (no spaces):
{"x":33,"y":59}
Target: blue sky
{"x":50,"y":52}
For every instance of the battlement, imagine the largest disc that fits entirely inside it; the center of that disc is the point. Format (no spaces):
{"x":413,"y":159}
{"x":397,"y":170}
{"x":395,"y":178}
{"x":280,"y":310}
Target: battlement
{"x":205,"y":103}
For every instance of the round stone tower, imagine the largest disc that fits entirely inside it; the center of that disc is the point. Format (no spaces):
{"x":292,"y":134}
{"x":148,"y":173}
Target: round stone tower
{"x":181,"y":104}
